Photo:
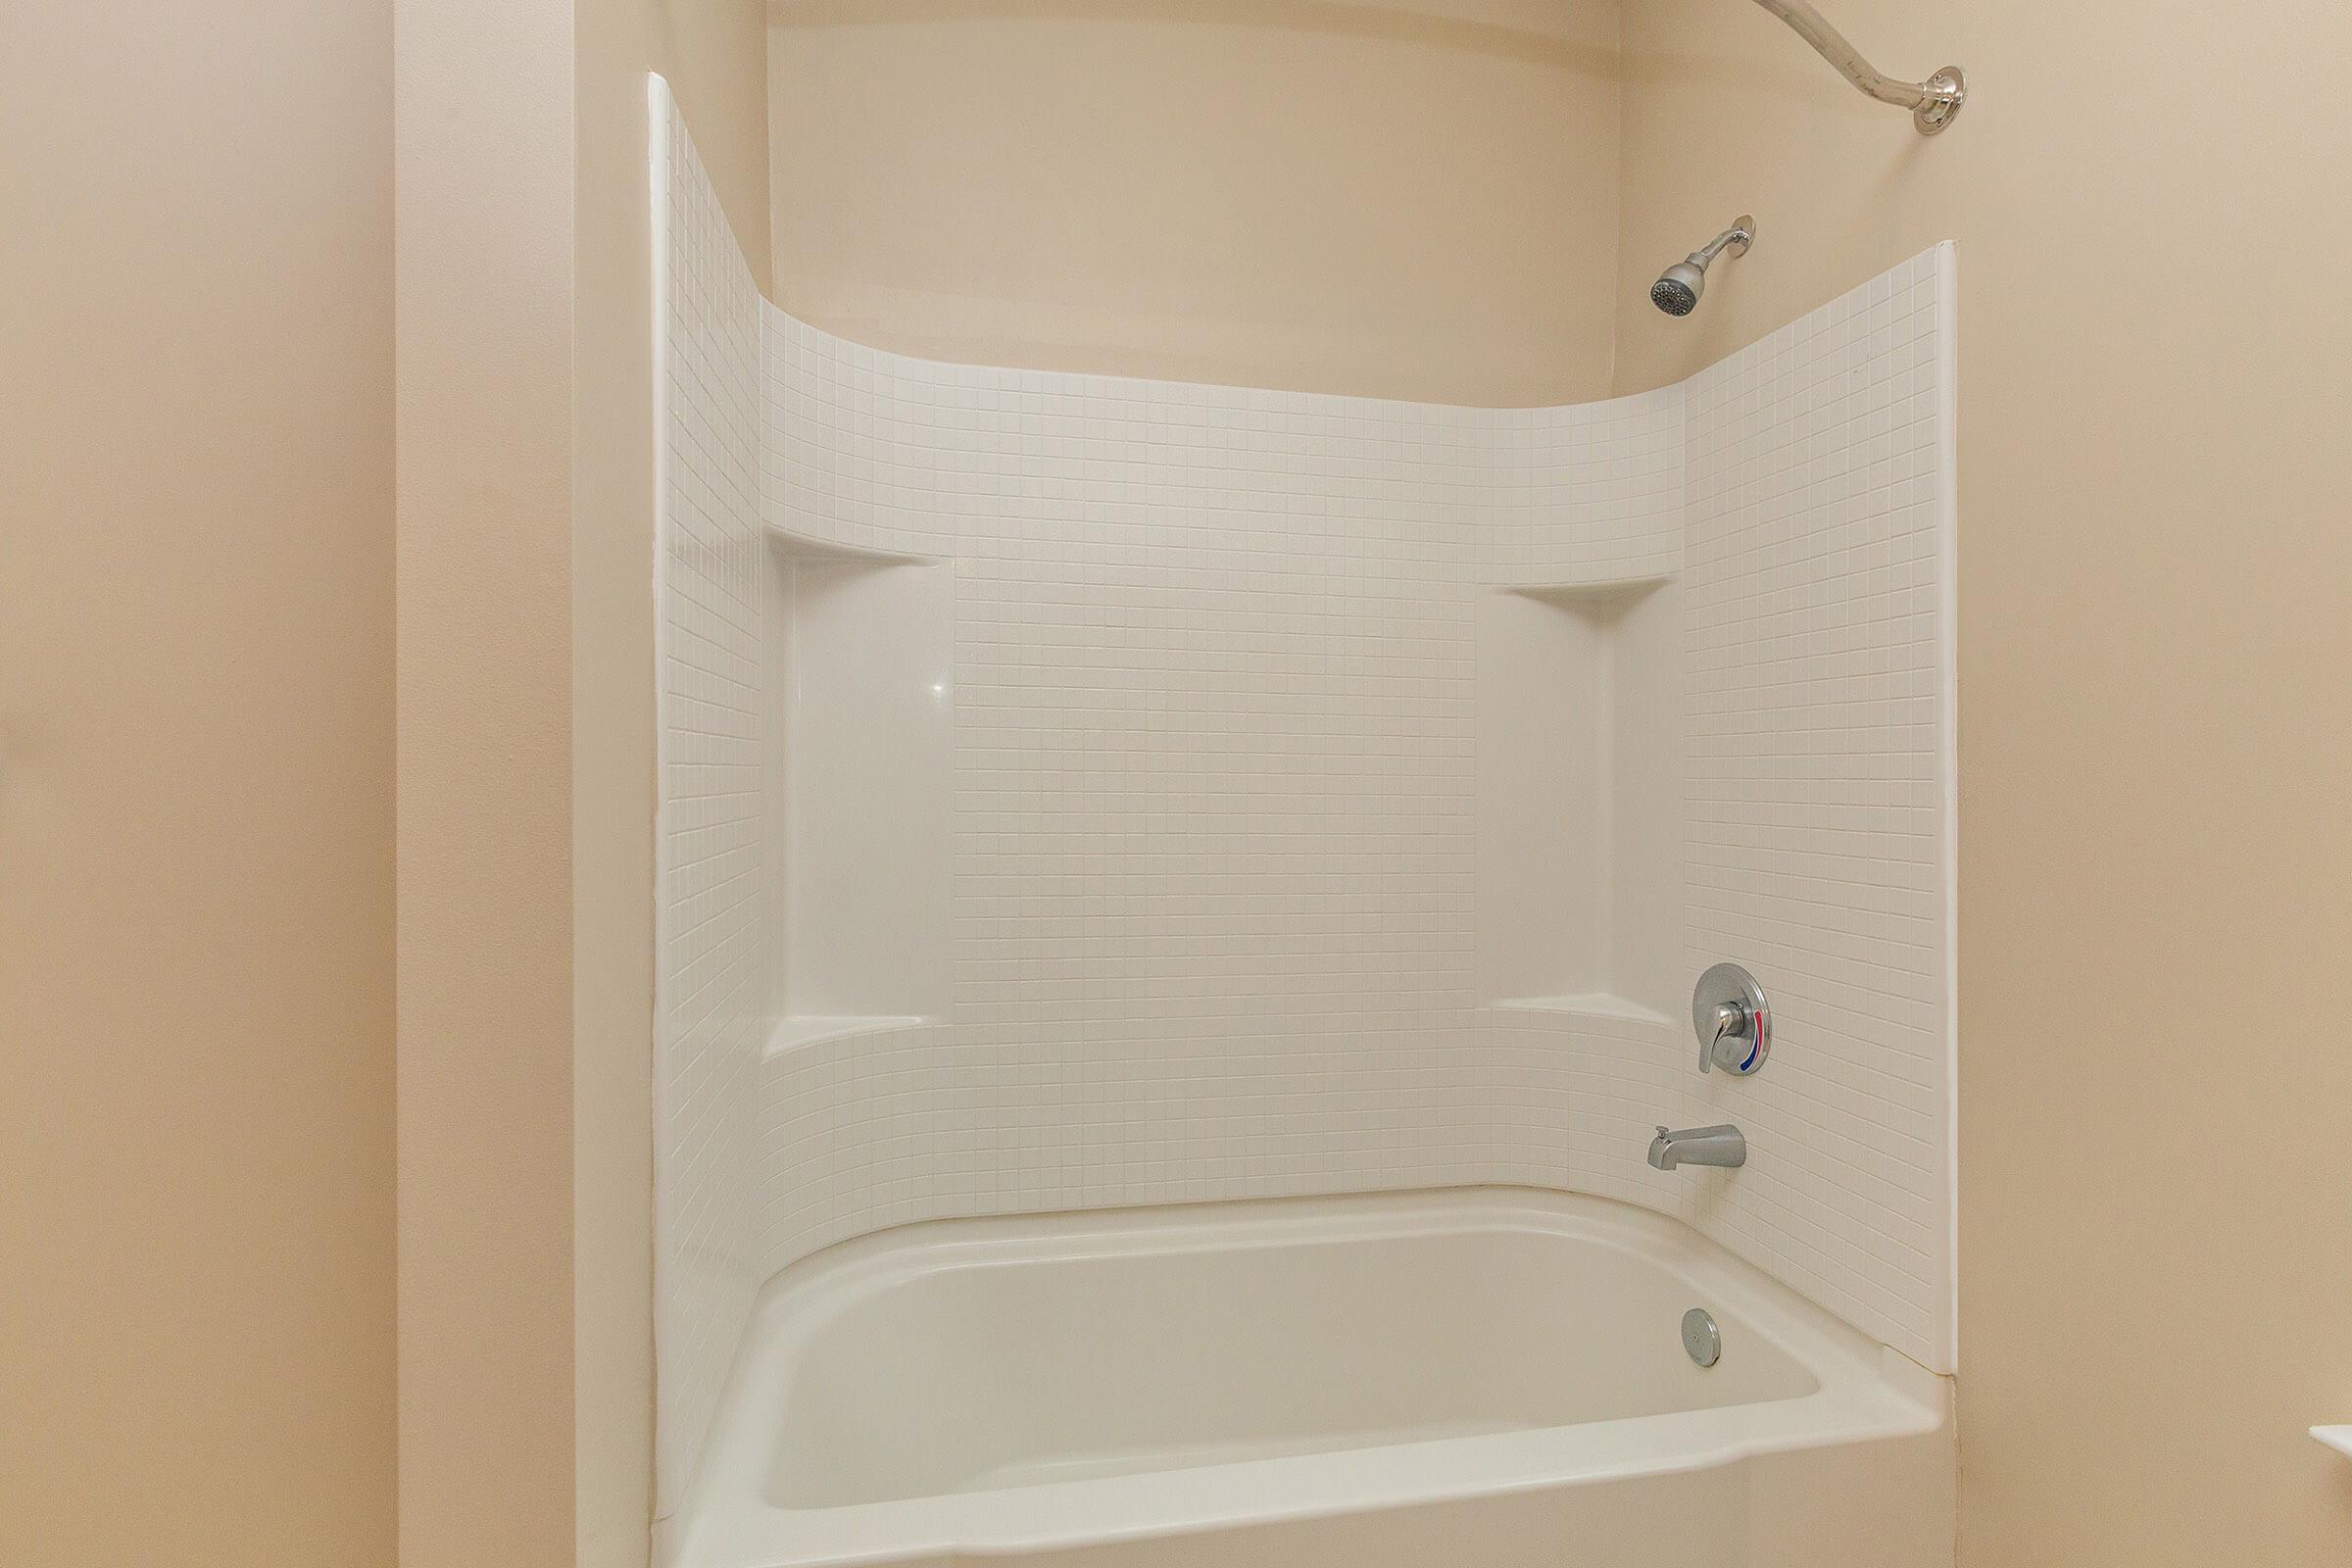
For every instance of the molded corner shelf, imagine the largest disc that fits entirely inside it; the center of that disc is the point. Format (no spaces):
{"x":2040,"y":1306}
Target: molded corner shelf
{"x":807,"y":548}
{"x":1586,"y":1004}
{"x":794,"y":1033}
{"x":1600,"y":594}
{"x":2338,"y":1438}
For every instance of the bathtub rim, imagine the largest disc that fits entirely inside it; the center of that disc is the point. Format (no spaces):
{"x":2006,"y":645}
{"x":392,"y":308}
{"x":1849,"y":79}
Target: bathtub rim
{"x":1865,"y":1392}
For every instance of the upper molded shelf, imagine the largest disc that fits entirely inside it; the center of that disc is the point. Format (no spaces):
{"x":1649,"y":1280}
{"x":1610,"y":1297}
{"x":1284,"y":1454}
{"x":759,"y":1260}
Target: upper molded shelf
{"x":795,"y":1032}
{"x":800,"y":545}
{"x":1607,"y":595}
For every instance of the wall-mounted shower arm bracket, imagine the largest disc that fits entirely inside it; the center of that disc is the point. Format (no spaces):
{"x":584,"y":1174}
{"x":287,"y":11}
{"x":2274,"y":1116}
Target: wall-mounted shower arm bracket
{"x":1933,"y":103}
{"x":1734,"y":239}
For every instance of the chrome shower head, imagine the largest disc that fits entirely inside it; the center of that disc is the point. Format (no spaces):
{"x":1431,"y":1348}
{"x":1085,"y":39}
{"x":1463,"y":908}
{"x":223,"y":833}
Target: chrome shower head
{"x":1678,"y":288}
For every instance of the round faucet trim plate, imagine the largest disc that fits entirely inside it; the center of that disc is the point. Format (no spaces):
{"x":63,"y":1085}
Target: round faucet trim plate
{"x":1733,"y":1019}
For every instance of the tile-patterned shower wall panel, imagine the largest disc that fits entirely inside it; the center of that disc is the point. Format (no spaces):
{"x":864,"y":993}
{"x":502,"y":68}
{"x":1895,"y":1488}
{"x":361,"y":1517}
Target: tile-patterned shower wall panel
{"x":1213,"y":791}
{"x":1817,"y":790}
{"x":876,"y":451}
{"x":712,"y":928}
{"x":1213,"y":772}
{"x":1815,"y":841}
{"x":1214,"y":788}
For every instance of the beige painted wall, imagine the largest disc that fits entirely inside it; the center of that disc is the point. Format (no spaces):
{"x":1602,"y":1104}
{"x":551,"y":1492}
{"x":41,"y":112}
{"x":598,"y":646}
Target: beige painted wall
{"x":526,"y":753}
{"x":196,"y":1274}
{"x":483,"y":225}
{"x":2155,"y":1247}
{"x":1414,"y":200}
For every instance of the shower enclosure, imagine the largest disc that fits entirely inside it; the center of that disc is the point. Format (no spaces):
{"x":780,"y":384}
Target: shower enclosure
{"x":1177,"y":908}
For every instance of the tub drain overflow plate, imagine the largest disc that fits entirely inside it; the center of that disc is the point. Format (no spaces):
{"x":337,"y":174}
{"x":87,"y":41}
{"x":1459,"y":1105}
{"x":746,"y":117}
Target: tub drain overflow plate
{"x":1701,"y":1338}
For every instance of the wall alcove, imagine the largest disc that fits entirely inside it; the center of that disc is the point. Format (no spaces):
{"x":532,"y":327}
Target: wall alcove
{"x":1579,"y":698}
{"x":859,"y":755}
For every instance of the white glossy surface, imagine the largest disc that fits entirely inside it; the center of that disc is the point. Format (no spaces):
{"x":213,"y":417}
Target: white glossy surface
{"x":1243,"y":831}
{"x":1292,"y":730}
{"x":1012,"y":1385}
{"x":863,"y":747}
{"x":715,"y":935}
{"x":1577,"y":768}
{"x":2338,"y":1438}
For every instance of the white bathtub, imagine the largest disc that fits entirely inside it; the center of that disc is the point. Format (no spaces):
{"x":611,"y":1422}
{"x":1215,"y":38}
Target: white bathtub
{"x":1488,"y":1378}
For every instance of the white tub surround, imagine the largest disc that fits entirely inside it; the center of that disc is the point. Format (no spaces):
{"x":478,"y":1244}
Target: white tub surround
{"x":1370,"y":1380}
{"x":714,"y":703}
{"x":1171,"y":794}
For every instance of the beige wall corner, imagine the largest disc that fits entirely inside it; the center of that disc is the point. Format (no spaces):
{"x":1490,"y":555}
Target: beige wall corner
{"x":196,"y":1278}
{"x":484,"y":275}
{"x":527,"y":755}
{"x":1395,"y":201}
{"x":713,"y":52}
{"x":2153,"y":849}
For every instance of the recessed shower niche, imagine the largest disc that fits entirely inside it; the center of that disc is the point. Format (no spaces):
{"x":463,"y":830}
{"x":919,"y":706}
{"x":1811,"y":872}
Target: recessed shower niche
{"x":860,"y":751}
{"x":1580,"y":706}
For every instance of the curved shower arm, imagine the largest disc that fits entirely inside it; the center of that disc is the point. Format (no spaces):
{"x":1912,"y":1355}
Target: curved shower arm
{"x":1933,"y":103}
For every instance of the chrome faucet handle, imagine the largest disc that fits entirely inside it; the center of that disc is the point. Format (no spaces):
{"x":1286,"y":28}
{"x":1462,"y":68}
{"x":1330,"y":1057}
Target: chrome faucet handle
{"x":1731,"y":1023}
{"x":1733,"y":1020}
